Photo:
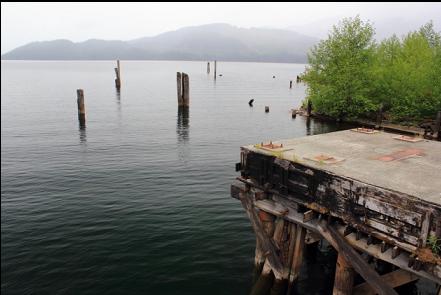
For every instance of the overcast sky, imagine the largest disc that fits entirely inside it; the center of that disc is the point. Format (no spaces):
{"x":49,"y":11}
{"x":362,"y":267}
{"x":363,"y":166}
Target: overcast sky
{"x":22,"y":23}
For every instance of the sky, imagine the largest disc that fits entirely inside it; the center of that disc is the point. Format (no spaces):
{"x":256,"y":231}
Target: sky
{"x":22,"y":23}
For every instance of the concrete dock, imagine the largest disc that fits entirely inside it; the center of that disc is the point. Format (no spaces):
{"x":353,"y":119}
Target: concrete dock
{"x":362,"y":190}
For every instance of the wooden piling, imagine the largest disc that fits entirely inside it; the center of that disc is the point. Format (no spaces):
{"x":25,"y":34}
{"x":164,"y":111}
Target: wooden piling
{"x":290,"y":84}
{"x":118,"y":75}
{"x":81,"y":107}
{"x":208,"y":67}
{"x":267,"y":221}
{"x":266,"y":109}
{"x":298,"y":253}
{"x":309,"y":108}
{"x":179,"y":88}
{"x":215,"y":69}
{"x":344,"y":277}
{"x":183,"y":89}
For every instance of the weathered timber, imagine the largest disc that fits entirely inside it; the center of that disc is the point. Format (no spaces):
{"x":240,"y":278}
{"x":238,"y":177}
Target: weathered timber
{"x":341,"y":176}
{"x":393,"y":279}
{"x":118,"y":75}
{"x":179,"y":87}
{"x":81,"y":107}
{"x":267,"y":244}
{"x":298,"y":253}
{"x":183,"y":89}
{"x":349,"y":254}
{"x":266,"y":109}
{"x":309,"y":108}
{"x":432,"y":273}
{"x":344,"y":277}
{"x":396,"y":206}
{"x":208,"y":67}
{"x":290,"y":84}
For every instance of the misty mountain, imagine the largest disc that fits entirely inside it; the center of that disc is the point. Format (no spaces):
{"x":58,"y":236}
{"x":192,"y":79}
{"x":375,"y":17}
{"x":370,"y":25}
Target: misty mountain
{"x":208,"y":42}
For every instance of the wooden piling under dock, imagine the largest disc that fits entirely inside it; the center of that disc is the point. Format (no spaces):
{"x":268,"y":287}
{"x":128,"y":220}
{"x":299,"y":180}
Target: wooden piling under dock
{"x":363,"y":192}
{"x":208,"y":67}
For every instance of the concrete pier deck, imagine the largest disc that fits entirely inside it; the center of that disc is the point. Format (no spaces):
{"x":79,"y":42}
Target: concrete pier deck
{"x":363,"y":189}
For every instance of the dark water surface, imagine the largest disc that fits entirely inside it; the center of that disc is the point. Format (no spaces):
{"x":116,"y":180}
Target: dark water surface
{"x":138,"y":202}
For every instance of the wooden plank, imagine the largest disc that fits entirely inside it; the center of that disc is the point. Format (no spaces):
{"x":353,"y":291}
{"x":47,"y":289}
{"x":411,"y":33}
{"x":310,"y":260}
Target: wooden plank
{"x":393,"y":279}
{"x":388,"y":209}
{"x":308,"y":215}
{"x":361,"y":266}
{"x":425,"y":228}
{"x":392,"y":231}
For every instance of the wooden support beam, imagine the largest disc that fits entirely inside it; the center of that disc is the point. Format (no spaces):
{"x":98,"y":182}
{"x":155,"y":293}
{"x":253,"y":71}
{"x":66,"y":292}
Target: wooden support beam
{"x":208,"y":67}
{"x":267,"y":244}
{"x":393,"y":279}
{"x":364,"y":269}
{"x":298,"y":253}
{"x":308,"y":215}
{"x":395,"y":252}
{"x":433,"y":274}
{"x":344,"y":277}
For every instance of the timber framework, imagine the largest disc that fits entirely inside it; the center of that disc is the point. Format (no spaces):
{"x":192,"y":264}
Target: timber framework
{"x":362,"y":190}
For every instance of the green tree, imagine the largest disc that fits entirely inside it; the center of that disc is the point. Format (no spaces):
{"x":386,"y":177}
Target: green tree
{"x":350,"y":76}
{"x":339,"y":72}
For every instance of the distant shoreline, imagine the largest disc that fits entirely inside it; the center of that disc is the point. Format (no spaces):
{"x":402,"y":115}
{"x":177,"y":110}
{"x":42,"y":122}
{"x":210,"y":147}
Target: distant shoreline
{"x":144,"y":60}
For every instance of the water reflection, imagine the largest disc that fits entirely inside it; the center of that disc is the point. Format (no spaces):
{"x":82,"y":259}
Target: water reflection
{"x":82,"y":133}
{"x":308,"y":125}
{"x":118,"y":103}
{"x":182,"y":126}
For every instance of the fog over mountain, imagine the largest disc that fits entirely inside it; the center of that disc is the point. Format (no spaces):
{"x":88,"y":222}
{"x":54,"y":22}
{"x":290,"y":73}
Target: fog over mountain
{"x":207,"y":42}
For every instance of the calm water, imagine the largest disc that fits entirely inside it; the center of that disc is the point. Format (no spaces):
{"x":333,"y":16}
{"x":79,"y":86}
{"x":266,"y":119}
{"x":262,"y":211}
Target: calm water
{"x":138,"y":202}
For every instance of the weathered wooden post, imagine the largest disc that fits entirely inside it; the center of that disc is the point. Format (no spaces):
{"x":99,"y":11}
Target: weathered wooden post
{"x":215,"y":69}
{"x":183,"y":89}
{"x":118,"y":75}
{"x":290,"y":84}
{"x":208,"y":67}
{"x":266,"y":109}
{"x":344,"y":277}
{"x":309,"y":108}
{"x":81,"y":108}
